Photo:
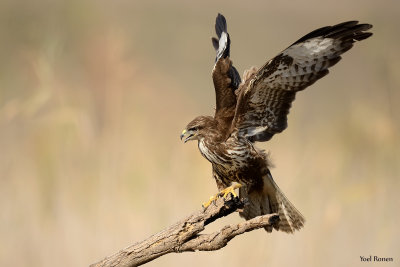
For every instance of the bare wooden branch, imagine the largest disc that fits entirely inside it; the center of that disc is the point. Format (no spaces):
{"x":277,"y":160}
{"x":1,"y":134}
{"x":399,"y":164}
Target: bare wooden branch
{"x":185,"y":235}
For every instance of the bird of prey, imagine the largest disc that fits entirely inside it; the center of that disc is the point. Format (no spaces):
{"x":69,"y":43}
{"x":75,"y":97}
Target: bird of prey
{"x":255,"y":108}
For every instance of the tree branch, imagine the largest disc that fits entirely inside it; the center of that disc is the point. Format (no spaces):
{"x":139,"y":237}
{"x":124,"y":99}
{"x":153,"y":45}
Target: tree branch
{"x":185,"y":235}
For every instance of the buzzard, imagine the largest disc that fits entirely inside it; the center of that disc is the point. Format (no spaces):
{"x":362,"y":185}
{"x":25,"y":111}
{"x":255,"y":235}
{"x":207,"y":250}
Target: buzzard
{"x":256,"y":108}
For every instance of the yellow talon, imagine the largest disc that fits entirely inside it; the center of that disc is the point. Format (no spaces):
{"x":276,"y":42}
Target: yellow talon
{"x":208,"y":203}
{"x":224,"y":193}
{"x":230,"y":190}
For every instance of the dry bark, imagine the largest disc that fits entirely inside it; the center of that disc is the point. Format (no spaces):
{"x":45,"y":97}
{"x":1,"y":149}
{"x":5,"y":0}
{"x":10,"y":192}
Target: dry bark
{"x":185,"y":235}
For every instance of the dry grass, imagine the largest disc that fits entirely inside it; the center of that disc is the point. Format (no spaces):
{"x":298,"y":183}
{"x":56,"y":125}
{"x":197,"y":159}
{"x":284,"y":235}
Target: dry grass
{"x":93,"y":96}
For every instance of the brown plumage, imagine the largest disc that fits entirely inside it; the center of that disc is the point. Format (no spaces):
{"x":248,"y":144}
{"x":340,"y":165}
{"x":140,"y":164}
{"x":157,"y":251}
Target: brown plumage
{"x":256,"y":108}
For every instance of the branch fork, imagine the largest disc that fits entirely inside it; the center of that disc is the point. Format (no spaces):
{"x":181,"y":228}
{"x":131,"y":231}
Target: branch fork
{"x":185,"y":235}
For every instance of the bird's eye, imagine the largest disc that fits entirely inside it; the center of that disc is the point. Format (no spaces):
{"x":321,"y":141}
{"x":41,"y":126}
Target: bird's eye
{"x":192,"y":129}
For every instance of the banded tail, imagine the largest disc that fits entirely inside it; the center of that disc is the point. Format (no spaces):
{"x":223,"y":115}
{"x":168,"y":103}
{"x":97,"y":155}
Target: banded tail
{"x":271,"y":200}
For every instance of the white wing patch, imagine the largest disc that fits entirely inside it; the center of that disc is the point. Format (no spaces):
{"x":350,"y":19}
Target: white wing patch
{"x":223,"y":42}
{"x":309,"y":47}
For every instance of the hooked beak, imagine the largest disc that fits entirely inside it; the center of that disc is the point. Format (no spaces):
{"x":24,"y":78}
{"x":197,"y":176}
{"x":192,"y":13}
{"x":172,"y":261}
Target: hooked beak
{"x":185,"y":136}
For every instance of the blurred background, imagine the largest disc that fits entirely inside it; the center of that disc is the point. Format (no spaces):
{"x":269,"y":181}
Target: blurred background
{"x":94,"y":96}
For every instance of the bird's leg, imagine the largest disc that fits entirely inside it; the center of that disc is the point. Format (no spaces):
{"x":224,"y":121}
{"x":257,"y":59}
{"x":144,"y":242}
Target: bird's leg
{"x":230,"y":190}
{"x":208,"y":203}
{"x":224,"y":193}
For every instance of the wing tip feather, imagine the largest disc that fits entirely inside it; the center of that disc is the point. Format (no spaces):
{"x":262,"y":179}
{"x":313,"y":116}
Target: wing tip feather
{"x":350,"y":29}
{"x":220,"y":25}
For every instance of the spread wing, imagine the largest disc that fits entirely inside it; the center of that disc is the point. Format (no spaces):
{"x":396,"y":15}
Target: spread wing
{"x":225,"y":76}
{"x":264,"y":104}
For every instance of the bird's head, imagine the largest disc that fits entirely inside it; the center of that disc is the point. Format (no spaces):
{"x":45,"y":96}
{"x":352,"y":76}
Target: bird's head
{"x":197,"y":128}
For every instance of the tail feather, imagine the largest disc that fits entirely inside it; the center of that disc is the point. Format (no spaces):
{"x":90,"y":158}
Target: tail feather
{"x":271,"y":200}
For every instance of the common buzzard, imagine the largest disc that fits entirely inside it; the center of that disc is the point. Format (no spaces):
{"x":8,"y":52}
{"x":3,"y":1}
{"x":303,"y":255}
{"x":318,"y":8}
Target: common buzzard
{"x":255,"y":109}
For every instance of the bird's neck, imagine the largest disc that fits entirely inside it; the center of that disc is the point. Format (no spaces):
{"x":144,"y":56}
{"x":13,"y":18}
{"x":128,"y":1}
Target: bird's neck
{"x":217,"y":132}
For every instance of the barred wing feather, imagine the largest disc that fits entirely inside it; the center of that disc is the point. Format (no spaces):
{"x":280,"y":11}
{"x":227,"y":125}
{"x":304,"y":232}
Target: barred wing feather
{"x":264,"y":104}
